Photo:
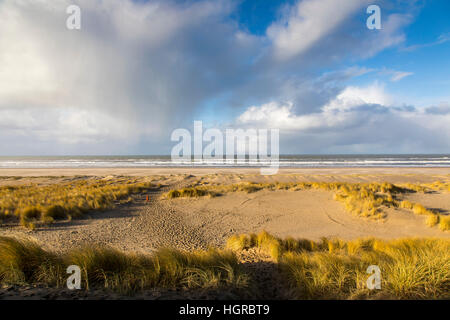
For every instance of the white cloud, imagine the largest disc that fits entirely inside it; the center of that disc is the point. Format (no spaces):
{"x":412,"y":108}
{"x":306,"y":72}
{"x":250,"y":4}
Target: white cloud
{"x":137,"y":70}
{"x":395,"y":75}
{"x":335,"y":113}
{"x":398,"y":75}
{"x":308,"y":22}
{"x":390,"y":35}
{"x":359,"y":119}
{"x":353,"y":96}
{"x":332,"y":26}
{"x":132,"y":65}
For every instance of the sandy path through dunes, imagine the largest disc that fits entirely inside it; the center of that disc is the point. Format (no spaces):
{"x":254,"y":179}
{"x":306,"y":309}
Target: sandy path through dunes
{"x":197,"y":223}
{"x":140,"y":227}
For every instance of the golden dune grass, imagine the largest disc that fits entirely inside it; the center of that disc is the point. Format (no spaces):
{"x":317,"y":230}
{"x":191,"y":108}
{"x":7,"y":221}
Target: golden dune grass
{"x":24,"y":262}
{"x":444,"y":223}
{"x":326,"y":269}
{"x":432,"y":220}
{"x":32,"y":204}
{"x":336,"y":269}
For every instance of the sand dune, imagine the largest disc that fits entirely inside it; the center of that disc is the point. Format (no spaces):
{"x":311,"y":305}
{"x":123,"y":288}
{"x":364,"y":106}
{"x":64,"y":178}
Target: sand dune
{"x":310,"y":214}
{"x":198,"y":223}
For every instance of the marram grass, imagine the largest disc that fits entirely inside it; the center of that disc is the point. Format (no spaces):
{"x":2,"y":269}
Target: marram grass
{"x":326,"y":269}
{"x":33,"y":204}
{"x":432,"y":220}
{"x":336,"y":269}
{"x":444,"y":223}
{"x":24,"y":262}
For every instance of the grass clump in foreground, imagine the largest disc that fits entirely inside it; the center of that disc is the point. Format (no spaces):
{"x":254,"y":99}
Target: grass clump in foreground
{"x":326,"y":269}
{"x":37,"y":204}
{"x":336,"y":269}
{"x":24,"y":262}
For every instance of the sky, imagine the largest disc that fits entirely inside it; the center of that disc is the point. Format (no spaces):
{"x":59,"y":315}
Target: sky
{"x":137,"y":70}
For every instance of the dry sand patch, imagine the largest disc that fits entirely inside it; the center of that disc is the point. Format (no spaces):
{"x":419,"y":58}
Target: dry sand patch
{"x":436,"y":201}
{"x":310,"y":214}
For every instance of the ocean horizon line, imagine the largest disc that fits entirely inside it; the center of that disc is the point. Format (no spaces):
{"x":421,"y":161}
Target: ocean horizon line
{"x":281,"y":155}
{"x":284,"y":161}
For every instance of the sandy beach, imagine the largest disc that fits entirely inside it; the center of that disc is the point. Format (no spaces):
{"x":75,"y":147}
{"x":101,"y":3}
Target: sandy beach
{"x":197,"y":223}
{"x":419,"y":172}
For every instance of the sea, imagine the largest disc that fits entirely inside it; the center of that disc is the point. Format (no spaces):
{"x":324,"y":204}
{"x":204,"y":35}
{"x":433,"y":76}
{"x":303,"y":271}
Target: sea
{"x":285,"y":161}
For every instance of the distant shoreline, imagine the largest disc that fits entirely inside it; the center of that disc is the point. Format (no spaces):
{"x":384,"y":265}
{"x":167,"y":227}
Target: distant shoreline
{"x":139,"y":171}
